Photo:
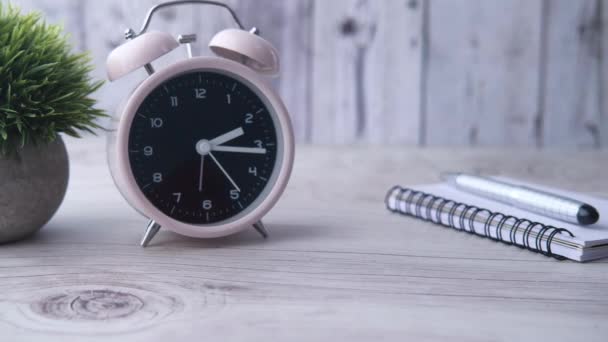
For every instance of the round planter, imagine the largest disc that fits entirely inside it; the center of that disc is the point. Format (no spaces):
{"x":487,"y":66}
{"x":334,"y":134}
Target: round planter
{"x":32,"y":186}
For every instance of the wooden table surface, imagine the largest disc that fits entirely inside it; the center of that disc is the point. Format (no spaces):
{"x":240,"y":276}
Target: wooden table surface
{"x":337,"y":265}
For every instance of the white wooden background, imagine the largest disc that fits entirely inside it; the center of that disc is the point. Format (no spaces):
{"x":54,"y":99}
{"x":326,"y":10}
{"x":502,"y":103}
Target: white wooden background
{"x":412,"y":72}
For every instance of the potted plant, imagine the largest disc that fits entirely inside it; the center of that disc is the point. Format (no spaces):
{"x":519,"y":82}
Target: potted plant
{"x":44,"y":91}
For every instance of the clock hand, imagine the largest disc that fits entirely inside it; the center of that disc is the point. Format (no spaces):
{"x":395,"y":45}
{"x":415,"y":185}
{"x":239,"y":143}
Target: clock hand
{"x":200,"y":177}
{"x":235,"y":133}
{"x":238,"y":149}
{"x":224,"y":171}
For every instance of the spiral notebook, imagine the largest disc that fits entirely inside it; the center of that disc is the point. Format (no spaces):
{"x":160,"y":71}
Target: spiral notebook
{"x":448,"y":206}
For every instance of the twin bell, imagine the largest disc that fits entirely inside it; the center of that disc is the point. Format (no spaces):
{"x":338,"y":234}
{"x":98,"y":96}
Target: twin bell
{"x":245,"y":47}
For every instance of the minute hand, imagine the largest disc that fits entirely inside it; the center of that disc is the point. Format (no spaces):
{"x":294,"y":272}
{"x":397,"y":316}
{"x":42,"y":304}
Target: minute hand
{"x":239,"y":149}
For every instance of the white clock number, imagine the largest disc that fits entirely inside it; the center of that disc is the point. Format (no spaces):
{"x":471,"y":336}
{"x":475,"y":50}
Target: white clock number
{"x":200,"y":93}
{"x":148,"y":151}
{"x":156,"y":122}
{"x":253,"y":170}
{"x":173,"y":101}
{"x":248,"y":118}
{"x":207,"y":204}
{"x":228,"y":98}
{"x":234,"y":194}
{"x":178,"y":196}
{"x":157,"y":177}
{"x":258,"y":143}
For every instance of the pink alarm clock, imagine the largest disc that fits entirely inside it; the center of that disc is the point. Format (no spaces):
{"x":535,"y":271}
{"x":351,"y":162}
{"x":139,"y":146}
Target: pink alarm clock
{"x":203,"y":147}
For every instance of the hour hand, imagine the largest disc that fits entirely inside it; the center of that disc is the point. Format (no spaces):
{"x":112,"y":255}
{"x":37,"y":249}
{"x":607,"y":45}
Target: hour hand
{"x":239,"y":149}
{"x":235,"y":133}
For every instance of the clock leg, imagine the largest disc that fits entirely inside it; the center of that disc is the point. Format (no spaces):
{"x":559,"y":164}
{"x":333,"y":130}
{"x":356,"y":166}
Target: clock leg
{"x":151,"y":230}
{"x":259,"y":226}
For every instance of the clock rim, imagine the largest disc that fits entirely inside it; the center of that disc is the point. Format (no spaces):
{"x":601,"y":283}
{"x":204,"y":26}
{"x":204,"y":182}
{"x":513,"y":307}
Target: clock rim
{"x":135,"y":195}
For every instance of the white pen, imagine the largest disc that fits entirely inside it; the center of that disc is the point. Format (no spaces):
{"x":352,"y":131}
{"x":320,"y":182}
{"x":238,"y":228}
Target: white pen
{"x":540,"y":202}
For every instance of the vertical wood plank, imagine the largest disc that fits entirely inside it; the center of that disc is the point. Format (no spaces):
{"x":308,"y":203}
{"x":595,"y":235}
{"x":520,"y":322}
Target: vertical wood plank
{"x":296,"y":59}
{"x":287,"y":25}
{"x":572,"y":88}
{"x":483,"y":72}
{"x":362,"y":53}
{"x":334,"y":106}
{"x":392,"y":75}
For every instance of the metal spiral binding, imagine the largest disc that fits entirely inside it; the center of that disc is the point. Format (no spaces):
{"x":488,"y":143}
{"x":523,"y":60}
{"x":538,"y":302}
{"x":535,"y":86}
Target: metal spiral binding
{"x":462,"y":217}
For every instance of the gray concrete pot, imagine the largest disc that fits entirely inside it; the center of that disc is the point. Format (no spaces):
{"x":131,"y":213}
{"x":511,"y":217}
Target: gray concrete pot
{"x":32,"y":186}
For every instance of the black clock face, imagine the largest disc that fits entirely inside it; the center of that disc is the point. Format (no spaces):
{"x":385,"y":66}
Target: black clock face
{"x":202,"y":147}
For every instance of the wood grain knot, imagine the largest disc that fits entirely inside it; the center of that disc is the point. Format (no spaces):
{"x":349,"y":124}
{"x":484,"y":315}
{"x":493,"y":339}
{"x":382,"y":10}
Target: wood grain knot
{"x":349,"y":27}
{"x":101,"y":304}
{"x":91,"y":309}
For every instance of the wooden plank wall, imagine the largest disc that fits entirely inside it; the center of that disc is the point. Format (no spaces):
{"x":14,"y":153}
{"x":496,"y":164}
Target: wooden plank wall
{"x":413,"y":72}
{"x":482,"y":75}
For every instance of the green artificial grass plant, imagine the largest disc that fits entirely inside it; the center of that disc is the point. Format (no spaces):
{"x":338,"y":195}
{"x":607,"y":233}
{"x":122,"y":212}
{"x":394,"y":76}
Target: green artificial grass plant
{"x":44,"y":88}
